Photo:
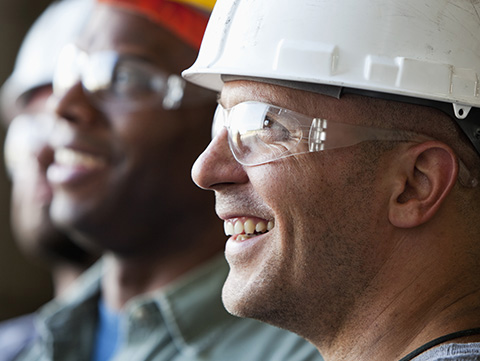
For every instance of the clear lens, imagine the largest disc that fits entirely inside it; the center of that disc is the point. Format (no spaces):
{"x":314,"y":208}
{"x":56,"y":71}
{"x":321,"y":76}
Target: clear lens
{"x":174,"y":92}
{"x":261,"y":133}
{"x":258,"y":132}
{"x":117,"y":82}
{"x":97,"y":72}
{"x":219,"y":120}
{"x":67,"y":71}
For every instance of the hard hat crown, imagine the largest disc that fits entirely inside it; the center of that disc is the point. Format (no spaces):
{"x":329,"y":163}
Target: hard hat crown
{"x":427,"y":49}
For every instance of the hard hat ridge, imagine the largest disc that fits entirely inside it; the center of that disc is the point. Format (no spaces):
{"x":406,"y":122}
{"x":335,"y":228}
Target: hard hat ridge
{"x":413,"y":49}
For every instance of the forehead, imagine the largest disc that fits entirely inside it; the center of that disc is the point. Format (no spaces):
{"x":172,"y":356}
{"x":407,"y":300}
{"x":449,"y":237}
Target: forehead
{"x":352,"y":109}
{"x":239,"y":91}
{"x":301,"y":101}
{"x":126,"y":32}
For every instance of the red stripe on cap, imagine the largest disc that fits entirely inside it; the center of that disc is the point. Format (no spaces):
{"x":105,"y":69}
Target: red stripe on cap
{"x":186,"y":22}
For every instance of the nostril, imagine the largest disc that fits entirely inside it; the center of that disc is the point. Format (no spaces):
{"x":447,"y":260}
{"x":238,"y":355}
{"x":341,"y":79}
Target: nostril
{"x":69,"y":115}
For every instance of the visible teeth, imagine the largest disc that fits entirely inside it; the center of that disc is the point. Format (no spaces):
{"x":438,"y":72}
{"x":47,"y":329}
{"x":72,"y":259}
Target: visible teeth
{"x":228,"y":227}
{"x":270,"y":226}
{"x":246,"y":229}
{"x":261,"y":227}
{"x":243,"y":237}
{"x":249,"y":227}
{"x":238,"y":228}
{"x":69,"y":157}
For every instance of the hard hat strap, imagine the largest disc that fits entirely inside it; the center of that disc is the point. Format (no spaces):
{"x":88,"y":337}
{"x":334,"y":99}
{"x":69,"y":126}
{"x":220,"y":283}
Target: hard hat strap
{"x":469,"y":121}
{"x":324,"y":89}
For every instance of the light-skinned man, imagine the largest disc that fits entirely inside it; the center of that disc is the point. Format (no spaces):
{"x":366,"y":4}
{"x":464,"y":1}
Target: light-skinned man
{"x":351,"y":127}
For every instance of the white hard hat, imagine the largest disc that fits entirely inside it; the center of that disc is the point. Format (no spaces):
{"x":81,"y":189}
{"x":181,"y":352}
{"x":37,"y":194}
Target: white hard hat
{"x":60,"y":24}
{"x":409,"y":49}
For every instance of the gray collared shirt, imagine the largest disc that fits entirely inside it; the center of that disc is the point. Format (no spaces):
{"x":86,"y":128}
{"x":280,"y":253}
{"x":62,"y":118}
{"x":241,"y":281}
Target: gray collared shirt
{"x":183,"y":322}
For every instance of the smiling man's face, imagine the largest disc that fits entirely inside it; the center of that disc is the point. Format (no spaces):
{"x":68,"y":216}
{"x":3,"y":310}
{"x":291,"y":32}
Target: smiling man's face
{"x":315,"y":212}
{"x":124,"y":176}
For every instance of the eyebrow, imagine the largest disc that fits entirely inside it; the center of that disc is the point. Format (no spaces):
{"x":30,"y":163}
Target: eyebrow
{"x":238,"y":94}
{"x":238,"y":99}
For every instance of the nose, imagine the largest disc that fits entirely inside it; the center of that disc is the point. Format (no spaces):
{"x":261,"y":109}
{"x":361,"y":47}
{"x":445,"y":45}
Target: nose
{"x":74,"y":106}
{"x":216,"y":167}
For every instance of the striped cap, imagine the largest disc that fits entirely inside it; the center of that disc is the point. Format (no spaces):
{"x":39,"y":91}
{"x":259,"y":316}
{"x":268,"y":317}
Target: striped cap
{"x":185,"y":18}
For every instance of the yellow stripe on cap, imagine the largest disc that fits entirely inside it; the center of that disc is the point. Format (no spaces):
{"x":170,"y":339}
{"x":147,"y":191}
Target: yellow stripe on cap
{"x":206,"y":5}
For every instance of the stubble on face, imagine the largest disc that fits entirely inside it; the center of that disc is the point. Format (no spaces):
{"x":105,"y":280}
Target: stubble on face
{"x":318,"y":259}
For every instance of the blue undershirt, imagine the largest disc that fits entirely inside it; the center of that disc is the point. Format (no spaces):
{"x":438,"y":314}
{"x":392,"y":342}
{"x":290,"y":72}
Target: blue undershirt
{"x":107,"y":338}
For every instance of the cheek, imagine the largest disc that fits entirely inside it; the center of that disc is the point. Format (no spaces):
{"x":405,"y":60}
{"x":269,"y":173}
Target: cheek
{"x":158,"y":150}
{"x":296,"y":194}
{"x":144,"y":136}
{"x":170,"y":133}
{"x":293,"y":187}
{"x":313,"y":195}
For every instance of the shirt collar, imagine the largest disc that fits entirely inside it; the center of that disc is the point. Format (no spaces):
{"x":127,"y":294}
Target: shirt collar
{"x":192,"y":306}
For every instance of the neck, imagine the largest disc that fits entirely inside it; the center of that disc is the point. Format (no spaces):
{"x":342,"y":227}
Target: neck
{"x":428,"y":298}
{"x":63,"y":274}
{"x":128,"y":277}
{"x":393,"y":334}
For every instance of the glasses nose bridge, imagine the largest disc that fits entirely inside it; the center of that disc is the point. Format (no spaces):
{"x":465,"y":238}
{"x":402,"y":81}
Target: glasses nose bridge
{"x":225,"y":117}
{"x":220,"y":119}
{"x":70,"y":70}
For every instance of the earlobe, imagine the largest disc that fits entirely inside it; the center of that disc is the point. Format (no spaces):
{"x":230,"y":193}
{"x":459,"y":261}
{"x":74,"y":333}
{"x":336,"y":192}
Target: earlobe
{"x":427,"y":174}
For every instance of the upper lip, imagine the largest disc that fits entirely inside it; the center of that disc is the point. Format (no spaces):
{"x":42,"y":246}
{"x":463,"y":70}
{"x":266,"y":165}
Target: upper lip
{"x":88,"y":147}
{"x":226,"y":215}
{"x":85,"y":150}
{"x":230,"y":206}
{"x":69,"y":138}
{"x":243,"y":217}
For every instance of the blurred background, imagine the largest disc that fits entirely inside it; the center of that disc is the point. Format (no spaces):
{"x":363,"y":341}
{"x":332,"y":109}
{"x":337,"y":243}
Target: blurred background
{"x":24,"y":286}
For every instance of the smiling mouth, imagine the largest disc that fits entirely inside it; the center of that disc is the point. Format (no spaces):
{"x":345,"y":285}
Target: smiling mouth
{"x":73,"y":158}
{"x":246,"y":228}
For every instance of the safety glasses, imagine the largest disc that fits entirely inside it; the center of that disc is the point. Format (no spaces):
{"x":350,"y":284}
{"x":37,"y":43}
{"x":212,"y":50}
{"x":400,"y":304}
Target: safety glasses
{"x":260,"y":133}
{"x":117,"y":82}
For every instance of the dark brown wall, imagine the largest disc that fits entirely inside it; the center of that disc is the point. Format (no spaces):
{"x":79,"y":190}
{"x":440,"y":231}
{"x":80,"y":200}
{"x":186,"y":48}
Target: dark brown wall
{"x":24,"y":286}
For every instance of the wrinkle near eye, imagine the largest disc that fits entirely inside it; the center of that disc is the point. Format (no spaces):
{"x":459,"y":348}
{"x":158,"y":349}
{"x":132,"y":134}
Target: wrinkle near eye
{"x":273,"y":131}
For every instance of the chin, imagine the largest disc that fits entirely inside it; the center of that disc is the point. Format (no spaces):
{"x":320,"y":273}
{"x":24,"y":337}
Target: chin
{"x":246,"y":298}
{"x":256,"y":308}
{"x":261,"y":299}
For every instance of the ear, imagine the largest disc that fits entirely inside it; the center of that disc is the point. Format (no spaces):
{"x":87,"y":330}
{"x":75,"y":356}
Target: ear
{"x":426,"y":175}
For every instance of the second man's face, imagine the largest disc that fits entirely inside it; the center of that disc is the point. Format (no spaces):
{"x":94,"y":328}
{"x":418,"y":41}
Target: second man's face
{"x":120,"y":174}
